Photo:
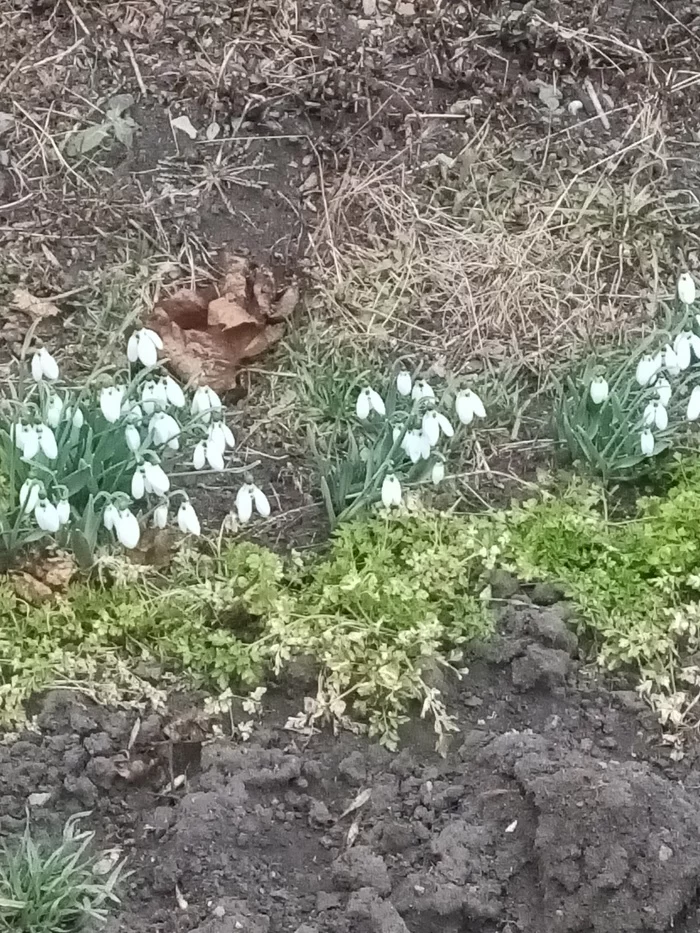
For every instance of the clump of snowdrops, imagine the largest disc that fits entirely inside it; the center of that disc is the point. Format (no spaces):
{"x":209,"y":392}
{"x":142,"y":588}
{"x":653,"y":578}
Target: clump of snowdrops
{"x":616,"y":418}
{"x":88,"y":462}
{"x":402,"y":439}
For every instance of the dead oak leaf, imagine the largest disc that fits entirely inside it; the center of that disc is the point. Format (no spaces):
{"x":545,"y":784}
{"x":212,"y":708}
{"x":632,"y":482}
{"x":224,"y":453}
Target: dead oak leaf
{"x":38,"y":308}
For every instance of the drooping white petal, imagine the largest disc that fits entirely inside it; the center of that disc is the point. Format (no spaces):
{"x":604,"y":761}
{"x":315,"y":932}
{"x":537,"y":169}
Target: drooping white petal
{"x":438,"y":473}
{"x":199,"y":457}
{"x":29,"y":495}
{"x":649,"y":415}
{"x":671,"y":362}
{"x":425,"y":448}
{"x":37,"y":369}
{"x":46,"y":516}
{"x":262,"y":503}
{"x":160,"y":515}
{"x":156,"y":478}
{"x":174,"y":394}
{"x":422,"y":390}
{"x":693,"y":412}
{"x":148,"y":354}
{"x":244,"y":503}
{"x":132,"y":347}
{"x":109,"y":515}
{"x":377,"y":402}
{"x":78,"y":419}
{"x":49,"y":366}
{"x":111,"y":403}
{"x":215,"y":456}
{"x":646,"y":370}
{"x":153,"y":336}
{"x":132,"y":437}
{"x":138,"y":484}
{"x":464,"y":408}
{"x":164,"y":427}
{"x":126,"y":528}
{"x":445,"y":425}
{"x":54,"y":410}
{"x":686,"y":288}
{"x":363,"y":405}
{"x":404,"y":383}
{"x":18,"y":433}
{"x":150,"y":397}
{"x":599,"y":390}
{"x":412,"y":445}
{"x":47,"y":441}
{"x":661,"y":417}
{"x":646,"y":443}
{"x":228,"y":435}
{"x":63,"y":511}
{"x":391,"y":491}
{"x":663,"y":390}
{"x":681,"y":346}
{"x":187,"y":520}
{"x":30,"y":447}
{"x":216,"y":437}
{"x":431,"y":427}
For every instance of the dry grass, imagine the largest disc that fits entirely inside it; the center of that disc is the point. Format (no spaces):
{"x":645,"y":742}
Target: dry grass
{"x":484,"y":255}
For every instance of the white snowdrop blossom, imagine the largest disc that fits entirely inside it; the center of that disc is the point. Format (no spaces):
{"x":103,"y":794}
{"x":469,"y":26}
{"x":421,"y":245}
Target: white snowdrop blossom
{"x":174,"y":393}
{"x":54,"y":410}
{"x":77,"y":418}
{"x":111,"y":402}
{"x":599,"y":390}
{"x":686,"y":288}
{"x":404,"y":383}
{"x":646,"y":442}
{"x":44,"y":366}
{"x":655,"y":414}
{"x":29,"y":495}
{"x":681,"y":346}
{"x":250,"y":495}
{"x":693,"y":412}
{"x":160,"y":515}
{"x":368,"y":401}
{"x":199,"y":455}
{"x":433,"y":423}
{"x":647,"y":368}
{"x":30,"y":443}
{"x":438,"y":472}
{"x":153,"y":396}
{"x":221,"y":436}
{"x":205,"y":402}
{"x":214,"y":455}
{"x":468,"y":405}
{"x":132,"y":437}
{"x":63,"y":511}
{"x":187,"y":520}
{"x":422,"y":390}
{"x":671,"y":362}
{"x":663,"y":390}
{"x":138,"y":483}
{"x":126,"y":528}
{"x":46,"y":515}
{"x":156,"y":479}
{"x":47,"y":441}
{"x":416,"y":445}
{"x":164,"y":428}
{"x":109,"y":515}
{"x":391,"y":491}
{"x":143,"y":345}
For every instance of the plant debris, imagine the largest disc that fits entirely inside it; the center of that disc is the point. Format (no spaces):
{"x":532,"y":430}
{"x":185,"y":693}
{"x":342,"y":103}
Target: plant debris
{"x":209,"y":332}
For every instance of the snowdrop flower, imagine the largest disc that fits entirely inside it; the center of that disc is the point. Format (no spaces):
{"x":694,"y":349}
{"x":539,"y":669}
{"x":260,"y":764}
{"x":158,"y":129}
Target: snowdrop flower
{"x":160,"y":515}
{"x":77,"y":418}
{"x":199,"y":456}
{"x":671,"y":361}
{"x":647,"y":368}
{"x":438,"y":473}
{"x":63,"y":511}
{"x":132,"y":437}
{"x":208,"y":452}
{"x":391,"y":491}
{"x":30,"y":443}
{"x":416,"y":445}
{"x":174,"y":393}
{"x":468,"y":405}
{"x":156,"y":479}
{"x":250,"y":495}
{"x":109,"y":515}
{"x":44,"y":366}
{"x":46,"y":516}
{"x":54,"y":410}
{"x":663,"y":390}
{"x":153,"y":396}
{"x":368,"y":401}
{"x":694,"y":405}
{"x":205,"y":402}
{"x":599,"y":390}
{"x":111,"y":402}
{"x":187,"y":520}
{"x":18,"y":433}
{"x":47,"y":441}
{"x":138,"y":483}
{"x":29,"y":495}
{"x":646,"y":442}
{"x":655,"y":414}
{"x":126,"y":528}
{"x":143,"y":346}
{"x":681,"y":346}
{"x":421,"y":390}
{"x":404,"y":383}
{"x":433,"y":422}
{"x":220,"y":436}
{"x":164,"y":428}
{"x":686,"y":288}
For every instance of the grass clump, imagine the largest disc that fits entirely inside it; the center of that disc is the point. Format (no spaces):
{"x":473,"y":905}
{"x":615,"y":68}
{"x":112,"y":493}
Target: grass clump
{"x":48,"y":888}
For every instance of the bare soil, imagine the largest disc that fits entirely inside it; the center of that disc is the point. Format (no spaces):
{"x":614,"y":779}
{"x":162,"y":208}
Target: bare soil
{"x":555,"y":809}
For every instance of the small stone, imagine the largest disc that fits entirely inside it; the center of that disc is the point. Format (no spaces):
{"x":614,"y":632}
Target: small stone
{"x":38,"y":800}
{"x":665,"y":853}
{"x":503,"y":584}
{"x":546,"y":594}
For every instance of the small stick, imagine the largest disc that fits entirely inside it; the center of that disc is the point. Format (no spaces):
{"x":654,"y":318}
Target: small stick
{"x":135,"y":66}
{"x":595,"y":100}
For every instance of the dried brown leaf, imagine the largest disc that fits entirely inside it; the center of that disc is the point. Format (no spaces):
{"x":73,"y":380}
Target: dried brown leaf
{"x":38,"y":308}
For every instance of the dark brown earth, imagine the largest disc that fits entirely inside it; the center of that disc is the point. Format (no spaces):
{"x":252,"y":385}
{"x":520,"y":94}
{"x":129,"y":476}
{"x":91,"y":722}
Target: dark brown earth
{"x":555,"y":810}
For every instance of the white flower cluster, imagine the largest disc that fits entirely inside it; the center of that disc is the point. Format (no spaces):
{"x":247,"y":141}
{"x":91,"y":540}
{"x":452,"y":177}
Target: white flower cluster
{"x":151,"y":411}
{"x":421,"y":433}
{"x":654,"y":371}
